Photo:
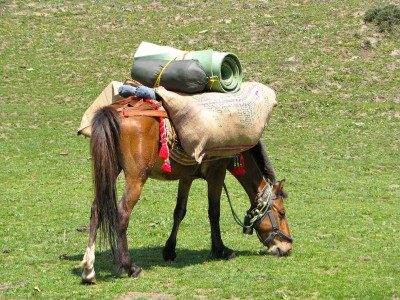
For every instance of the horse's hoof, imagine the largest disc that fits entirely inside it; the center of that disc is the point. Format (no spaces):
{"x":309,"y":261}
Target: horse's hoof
{"x":89,"y":281}
{"x":89,"y":277}
{"x":169,"y":255}
{"x":136,"y":272}
{"x":228,"y":253}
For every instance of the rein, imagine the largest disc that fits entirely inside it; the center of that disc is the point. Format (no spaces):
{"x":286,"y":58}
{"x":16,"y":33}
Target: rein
{"x":255,"y":216}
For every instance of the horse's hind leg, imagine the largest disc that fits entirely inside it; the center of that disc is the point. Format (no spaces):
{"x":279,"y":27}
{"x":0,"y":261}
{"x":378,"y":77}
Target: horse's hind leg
{"x":87,"y":263}
{"x":179,"y":213}
{"x":129,"y":199}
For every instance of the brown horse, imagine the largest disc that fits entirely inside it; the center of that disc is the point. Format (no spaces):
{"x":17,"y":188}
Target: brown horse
{"x":132,"y":145}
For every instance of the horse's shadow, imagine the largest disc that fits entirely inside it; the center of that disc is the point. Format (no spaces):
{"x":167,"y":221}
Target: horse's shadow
{"x":146,"y":258}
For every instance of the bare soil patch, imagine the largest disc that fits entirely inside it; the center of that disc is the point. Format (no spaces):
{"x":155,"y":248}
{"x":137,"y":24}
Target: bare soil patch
{"x":150,"y":296}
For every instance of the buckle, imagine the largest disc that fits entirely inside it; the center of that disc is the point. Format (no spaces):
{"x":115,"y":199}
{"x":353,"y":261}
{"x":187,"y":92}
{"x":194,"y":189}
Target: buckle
{"x":248,"y":229}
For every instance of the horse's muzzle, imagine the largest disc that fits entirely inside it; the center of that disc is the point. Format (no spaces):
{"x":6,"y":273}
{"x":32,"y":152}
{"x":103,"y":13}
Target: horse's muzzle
{"x":279,"y":251}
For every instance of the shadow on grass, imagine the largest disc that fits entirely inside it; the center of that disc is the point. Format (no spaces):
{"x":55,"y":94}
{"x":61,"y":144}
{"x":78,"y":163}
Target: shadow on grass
{"x":146,"y":258}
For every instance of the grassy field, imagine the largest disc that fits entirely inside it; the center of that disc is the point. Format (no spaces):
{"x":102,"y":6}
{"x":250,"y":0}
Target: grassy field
{"x":334,"y":137}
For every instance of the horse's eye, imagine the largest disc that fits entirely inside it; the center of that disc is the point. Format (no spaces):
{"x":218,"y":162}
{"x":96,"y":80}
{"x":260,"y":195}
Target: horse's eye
{"x":281,"y":213}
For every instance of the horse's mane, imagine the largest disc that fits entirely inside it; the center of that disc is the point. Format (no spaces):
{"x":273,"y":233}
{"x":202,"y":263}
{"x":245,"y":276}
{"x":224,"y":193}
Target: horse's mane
{"x":260,"y":153}
{"x":283,"y":193}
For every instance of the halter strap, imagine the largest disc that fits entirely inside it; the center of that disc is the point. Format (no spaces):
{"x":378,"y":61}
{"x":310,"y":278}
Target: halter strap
{"x":263,"y":209}
{"x":275,"y":229}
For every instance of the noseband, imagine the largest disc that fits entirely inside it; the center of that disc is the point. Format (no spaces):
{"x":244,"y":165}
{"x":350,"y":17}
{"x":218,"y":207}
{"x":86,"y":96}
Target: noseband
{"x":255,"y":216}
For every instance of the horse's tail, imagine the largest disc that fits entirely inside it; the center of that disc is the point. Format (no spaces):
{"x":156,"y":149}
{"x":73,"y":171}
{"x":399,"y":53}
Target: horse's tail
{"x":105,"y":148}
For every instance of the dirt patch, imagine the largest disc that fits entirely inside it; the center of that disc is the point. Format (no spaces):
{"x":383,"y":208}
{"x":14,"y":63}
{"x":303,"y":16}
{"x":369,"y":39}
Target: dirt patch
{"x":7,"y":286}
{"x":149,"y":296}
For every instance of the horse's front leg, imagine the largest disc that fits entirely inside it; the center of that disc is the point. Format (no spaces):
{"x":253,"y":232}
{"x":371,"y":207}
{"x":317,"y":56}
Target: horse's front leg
{"x":87,"y":263}
{"x":179,"y":213}
{"x":125,"y":206}
{"x":215,"y":184}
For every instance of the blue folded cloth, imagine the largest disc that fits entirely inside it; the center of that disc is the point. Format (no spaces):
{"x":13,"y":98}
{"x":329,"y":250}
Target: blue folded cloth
{"x":141,"y":91}
{"x":126,"y":91}
{"x":145,"y":92}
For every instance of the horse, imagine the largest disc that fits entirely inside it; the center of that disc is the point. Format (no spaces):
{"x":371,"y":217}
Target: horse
{"x":131,"y":145}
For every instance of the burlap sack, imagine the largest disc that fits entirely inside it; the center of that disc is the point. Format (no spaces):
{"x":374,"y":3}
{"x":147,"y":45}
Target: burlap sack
{"x":107,"y":97}
{"x":218,"y":124}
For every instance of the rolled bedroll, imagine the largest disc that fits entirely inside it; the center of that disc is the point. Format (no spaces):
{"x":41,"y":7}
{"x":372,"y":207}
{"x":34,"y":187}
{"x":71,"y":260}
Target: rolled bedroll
{"x":186,"y":76}
{"x":223,"y":69}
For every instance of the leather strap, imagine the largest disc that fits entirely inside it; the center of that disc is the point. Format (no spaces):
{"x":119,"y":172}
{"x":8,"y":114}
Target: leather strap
{"x":126,"y":112}
{"x":133,"y":107}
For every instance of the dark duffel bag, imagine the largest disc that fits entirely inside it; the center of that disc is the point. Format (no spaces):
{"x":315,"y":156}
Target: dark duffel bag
{"x":186,"y":76}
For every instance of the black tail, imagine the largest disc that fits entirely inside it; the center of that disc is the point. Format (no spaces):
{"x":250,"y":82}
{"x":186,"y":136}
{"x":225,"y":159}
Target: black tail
{"x":104,"y":147}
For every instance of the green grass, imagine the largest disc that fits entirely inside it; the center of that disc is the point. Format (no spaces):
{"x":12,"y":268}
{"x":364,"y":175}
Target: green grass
{"x":334,"y":137}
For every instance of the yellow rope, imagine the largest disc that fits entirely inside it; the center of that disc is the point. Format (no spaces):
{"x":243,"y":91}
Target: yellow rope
{"x":157,"y":83}
{"x":213,"y":80}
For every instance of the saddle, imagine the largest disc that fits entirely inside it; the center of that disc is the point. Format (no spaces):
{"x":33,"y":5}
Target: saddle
{"x":133,"y":106}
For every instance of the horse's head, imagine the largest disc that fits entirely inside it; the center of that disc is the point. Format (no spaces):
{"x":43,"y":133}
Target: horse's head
{"x":267,"y":213}
{"x":268,"y":217}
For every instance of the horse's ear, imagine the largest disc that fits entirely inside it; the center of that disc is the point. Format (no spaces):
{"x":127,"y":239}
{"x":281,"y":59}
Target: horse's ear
{"x":284,"y":193}
{"x":282,"y":183}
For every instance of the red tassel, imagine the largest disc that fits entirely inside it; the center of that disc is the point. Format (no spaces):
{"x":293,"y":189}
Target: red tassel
{"x":166,"y":167}
{"x":238,"y":171}
{"x":243,"y":171}
{"x":164,"y":152}
{"x":234,"y":172}
{"x":238,"y":165}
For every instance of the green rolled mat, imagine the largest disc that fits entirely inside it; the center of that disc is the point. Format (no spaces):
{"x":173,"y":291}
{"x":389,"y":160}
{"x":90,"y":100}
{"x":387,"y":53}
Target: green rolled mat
{"x":223,"y":68}
{"x":228,"y":70}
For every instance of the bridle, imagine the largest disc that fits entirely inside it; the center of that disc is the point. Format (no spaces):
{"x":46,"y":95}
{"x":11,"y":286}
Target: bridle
{"x":254,"y":217}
